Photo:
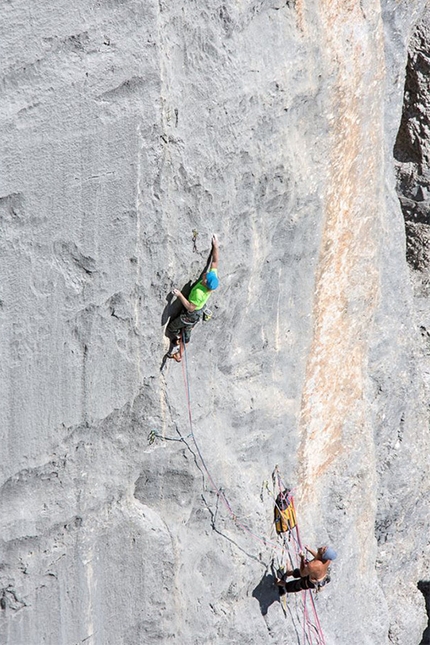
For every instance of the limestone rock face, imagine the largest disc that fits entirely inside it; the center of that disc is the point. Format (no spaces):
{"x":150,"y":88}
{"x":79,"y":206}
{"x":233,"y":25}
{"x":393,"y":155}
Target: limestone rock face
{"x":134,"y":505}
{"x":412,"y":156}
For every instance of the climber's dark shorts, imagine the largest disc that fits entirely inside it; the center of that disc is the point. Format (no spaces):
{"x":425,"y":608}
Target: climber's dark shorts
{"x":186,"y":321}
{"x":298,"y":585}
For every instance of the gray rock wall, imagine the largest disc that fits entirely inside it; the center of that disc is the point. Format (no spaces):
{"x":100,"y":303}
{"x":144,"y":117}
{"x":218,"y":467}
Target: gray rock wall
{"x":402,"y":419}
{"x":126,"y":127}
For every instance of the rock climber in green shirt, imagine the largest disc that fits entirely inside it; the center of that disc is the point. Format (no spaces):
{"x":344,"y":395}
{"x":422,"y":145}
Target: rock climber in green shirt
{"x":193,"y":306}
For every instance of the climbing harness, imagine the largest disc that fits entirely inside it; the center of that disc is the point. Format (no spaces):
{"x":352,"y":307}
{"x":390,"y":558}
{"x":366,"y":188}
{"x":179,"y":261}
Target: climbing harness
{"x":190,"y":318}
{"x":319,"y":584}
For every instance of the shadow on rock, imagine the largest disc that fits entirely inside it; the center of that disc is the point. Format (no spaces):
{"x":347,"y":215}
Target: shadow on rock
{"x":266,"y":593}
{"x":424,"y":587}
{"x":173,"y":309}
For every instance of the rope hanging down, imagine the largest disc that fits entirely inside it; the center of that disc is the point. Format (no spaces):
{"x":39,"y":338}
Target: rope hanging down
{"x":312,"y":631}
{"x":220,"y":493}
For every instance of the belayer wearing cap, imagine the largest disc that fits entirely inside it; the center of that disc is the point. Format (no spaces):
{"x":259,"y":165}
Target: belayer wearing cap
{"x":312,"y":574}
{"x":195,"y":304}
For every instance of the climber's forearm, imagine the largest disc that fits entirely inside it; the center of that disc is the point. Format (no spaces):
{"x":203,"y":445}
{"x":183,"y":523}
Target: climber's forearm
{"x":189,"y":306}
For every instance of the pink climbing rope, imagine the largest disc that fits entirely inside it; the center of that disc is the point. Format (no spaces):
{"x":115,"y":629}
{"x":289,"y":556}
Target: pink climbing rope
{"x":221,"y":495}
{"x":307,"y":623}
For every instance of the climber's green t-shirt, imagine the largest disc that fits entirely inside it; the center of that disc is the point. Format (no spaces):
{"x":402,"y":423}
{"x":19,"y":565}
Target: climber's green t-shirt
{"x":199,"y":294}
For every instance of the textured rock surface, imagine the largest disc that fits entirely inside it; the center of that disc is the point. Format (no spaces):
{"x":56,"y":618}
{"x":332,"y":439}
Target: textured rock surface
{"x":412,"y":148}
{"x":126,"y":127}
{"x":411,"y":153}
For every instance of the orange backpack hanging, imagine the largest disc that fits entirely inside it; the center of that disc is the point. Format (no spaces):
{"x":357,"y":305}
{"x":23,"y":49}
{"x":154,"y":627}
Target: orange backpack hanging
{"x":285,"y":517}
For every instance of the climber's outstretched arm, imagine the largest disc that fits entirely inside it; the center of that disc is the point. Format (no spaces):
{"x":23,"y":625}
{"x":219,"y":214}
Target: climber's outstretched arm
{"x":215,"y":253}
{"x":313,"y":552}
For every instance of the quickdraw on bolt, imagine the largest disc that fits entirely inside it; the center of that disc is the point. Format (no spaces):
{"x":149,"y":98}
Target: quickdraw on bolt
{"x":195,"y":233}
